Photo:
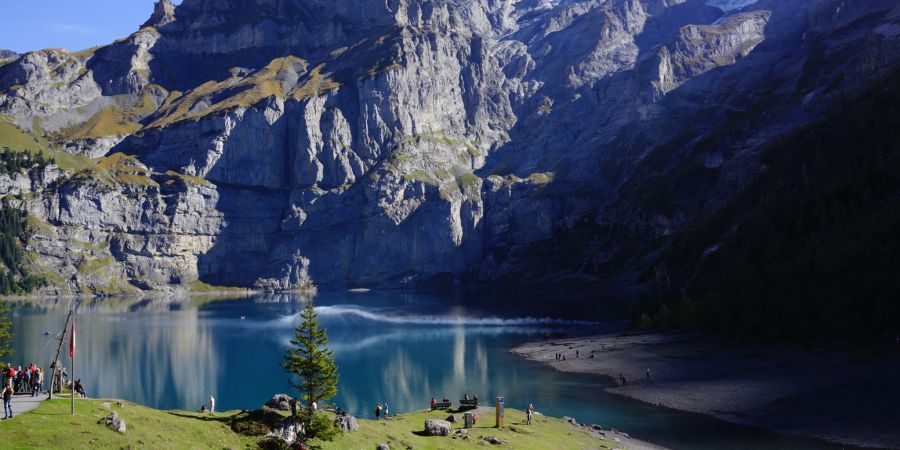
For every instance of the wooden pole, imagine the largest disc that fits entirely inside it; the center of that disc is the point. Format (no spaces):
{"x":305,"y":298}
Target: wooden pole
{"x":62,"y":339}
{"x":72,"y":355}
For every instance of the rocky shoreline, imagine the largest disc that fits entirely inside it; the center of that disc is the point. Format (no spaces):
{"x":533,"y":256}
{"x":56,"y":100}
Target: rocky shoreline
{"x":839,"y":395}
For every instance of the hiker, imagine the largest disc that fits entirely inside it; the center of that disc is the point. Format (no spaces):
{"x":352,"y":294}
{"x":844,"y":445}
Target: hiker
{"x":37,"y":378}
{"x":475,"y":398}
{"x":212,"y":404}
{"x":385,"y":412}
{"x":433,"y":403}
{"x":377,"y":411}
{"x":315,"y":407}
{"x":648,"y":374}
{"x":203,"y":408}
{"x":79,"y":389}
{"x":7,"y":400}
{"x":466,"y":397}
{"x":528,"y":413}
{"x":577,"y":354}
{"x":18,"y":380}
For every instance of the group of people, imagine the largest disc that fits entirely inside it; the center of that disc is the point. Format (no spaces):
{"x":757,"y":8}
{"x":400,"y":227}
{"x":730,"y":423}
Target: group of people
{"x":28,"y":380}
{"x":381,"y":411}
{"x":18,"y":380}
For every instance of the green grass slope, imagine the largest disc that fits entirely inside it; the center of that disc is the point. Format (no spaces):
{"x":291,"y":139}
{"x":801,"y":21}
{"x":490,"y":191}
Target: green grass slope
{"x":50,"y":426}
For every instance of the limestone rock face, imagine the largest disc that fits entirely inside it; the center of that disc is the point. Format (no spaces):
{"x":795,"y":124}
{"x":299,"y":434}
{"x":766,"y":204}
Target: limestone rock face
{"x":280,"y":144}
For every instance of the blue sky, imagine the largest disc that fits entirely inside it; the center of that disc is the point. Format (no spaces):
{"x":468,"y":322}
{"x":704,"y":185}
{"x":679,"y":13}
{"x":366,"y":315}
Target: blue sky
{"x":70,"y":24}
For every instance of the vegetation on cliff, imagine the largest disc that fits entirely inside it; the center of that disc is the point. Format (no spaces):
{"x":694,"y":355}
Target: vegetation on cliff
{"x":809,"y":249}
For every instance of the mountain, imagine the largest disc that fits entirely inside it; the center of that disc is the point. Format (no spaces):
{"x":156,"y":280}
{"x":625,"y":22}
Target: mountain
{"x":281,"y":143}
{"x":8,"y":54}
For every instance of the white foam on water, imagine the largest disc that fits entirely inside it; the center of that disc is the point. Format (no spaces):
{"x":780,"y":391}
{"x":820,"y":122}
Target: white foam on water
{"x":343,"y":312}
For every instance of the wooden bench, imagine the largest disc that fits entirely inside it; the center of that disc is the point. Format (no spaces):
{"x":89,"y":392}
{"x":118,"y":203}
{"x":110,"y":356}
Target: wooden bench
{"x":471,"y":403}
{"x":441,"y":405}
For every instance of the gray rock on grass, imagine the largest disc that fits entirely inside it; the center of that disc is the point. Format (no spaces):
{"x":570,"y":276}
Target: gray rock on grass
{"x":435,"y":427}
{"x":346,"y":423}
{"x":114,"y":422}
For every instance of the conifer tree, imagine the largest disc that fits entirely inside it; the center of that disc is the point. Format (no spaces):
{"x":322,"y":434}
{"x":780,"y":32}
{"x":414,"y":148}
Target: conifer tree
{"x":5,"y":331}
{"x":311,"y":362}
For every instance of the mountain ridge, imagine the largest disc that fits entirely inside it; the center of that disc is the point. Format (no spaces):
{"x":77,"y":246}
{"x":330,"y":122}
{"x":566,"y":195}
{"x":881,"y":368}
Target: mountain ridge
{"x":276,"y":144}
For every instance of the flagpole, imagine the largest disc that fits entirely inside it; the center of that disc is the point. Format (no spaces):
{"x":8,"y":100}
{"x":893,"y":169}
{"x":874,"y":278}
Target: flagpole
{"x":72,"y":355}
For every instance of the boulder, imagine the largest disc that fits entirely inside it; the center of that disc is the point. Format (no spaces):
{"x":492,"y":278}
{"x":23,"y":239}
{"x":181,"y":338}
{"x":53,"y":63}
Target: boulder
{"x":288,"y":431}
{"x":451,"y":418}
{"x":437,"y":427}
{"x":281,"y":402}
{"x":382,"y":447}
{"x":346,"y":423}
{"x":114,"y":422}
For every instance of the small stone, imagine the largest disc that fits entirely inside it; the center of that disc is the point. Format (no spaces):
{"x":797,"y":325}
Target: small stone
{"x":493,"y":440}
{"x":382,"y":447}
{"x":451,"y":418}
{"x":107,"y":405}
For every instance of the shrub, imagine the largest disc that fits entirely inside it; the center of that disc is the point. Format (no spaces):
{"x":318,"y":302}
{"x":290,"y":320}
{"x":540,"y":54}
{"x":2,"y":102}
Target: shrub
{"x":322,"y":428}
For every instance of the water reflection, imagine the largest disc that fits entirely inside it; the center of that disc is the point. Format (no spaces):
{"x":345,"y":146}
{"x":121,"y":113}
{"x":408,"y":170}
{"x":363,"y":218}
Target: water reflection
{"x":399,"y":348}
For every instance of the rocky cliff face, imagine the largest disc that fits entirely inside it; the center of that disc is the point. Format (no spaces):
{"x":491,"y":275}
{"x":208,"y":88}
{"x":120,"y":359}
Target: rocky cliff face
{"x":276,"y":144}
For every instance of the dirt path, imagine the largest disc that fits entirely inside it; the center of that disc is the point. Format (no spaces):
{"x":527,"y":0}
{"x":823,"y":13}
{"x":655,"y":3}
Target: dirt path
{"x":22,"y":403}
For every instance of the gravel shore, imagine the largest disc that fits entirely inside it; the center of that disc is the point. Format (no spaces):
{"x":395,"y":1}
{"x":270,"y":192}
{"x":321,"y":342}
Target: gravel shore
{"x":840,"y":395}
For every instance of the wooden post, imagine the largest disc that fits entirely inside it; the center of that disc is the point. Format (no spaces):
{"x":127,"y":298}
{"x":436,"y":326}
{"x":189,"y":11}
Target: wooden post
{"x":72,"y":355}
{"x":62,"y":339}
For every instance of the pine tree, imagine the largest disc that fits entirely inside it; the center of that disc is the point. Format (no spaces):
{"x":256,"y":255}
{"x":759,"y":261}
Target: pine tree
{"x":5,"y":331}
{"x":310,"y":361}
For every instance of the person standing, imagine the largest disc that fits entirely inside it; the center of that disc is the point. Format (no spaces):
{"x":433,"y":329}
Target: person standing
{"x":648,"y":374}
{"x":385,"y":412}
{"x":7,"y":401}
{"x":37,"y":381}
{"x":212,"y":404}
{"x":433,"y":403}
{"x":528,"y":413}
{"x":377,"y":411}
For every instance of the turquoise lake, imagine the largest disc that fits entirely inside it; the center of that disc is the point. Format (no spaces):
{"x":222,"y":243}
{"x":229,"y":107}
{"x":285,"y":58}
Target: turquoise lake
{"x":395,"y":347}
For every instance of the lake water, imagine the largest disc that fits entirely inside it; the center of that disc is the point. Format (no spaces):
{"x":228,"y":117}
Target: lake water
{"x":399,"y":348}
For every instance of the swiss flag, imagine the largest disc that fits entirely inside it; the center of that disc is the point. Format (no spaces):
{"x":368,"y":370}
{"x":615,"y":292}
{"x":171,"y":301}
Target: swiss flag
{"x":72,"y":341}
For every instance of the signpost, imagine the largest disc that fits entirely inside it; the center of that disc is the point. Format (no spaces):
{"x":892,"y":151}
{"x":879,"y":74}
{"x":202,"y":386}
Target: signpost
{"x":500,"y":412}
{"x":72,"y":355}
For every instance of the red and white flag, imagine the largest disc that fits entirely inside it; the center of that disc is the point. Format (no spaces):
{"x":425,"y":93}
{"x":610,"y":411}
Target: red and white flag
{"x":72,"y":341}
